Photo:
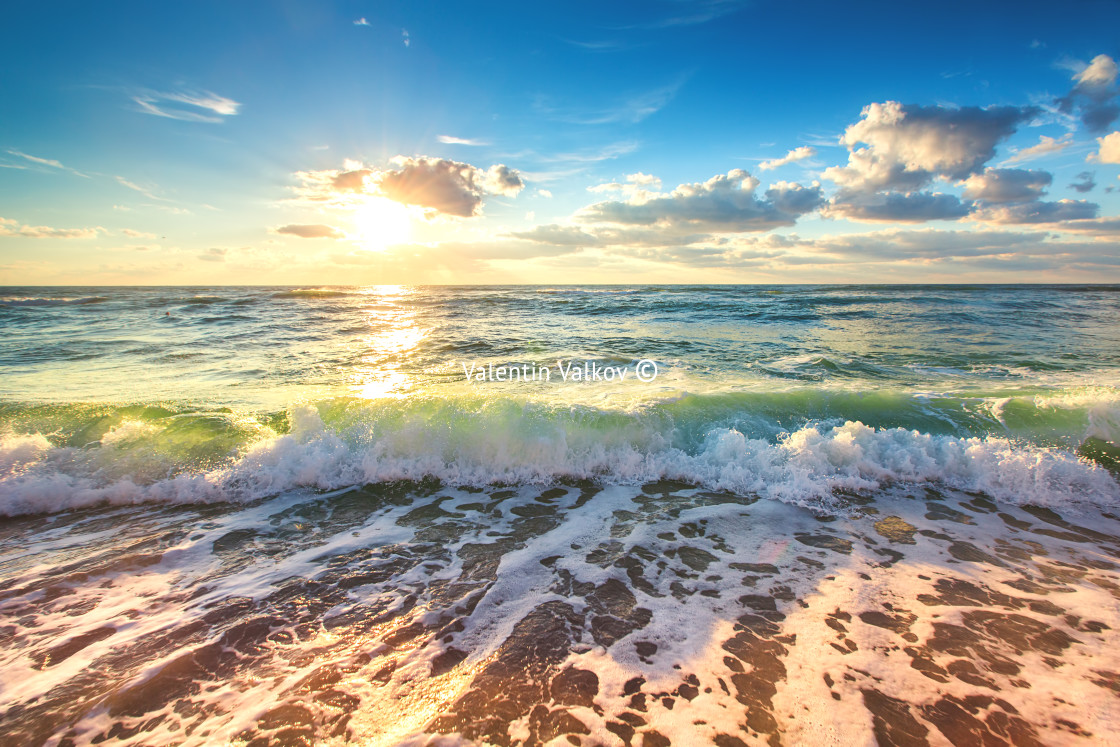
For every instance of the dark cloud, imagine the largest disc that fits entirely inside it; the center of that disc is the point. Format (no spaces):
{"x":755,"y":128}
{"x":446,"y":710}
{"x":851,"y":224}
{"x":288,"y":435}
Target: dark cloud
{"x":1085,"y":182}
{"x":1093,"y":94}
{"x":724,"y":203}
{"x":898,"y":207}
{"x":311,"y":231}
{"x":1039,"y":212}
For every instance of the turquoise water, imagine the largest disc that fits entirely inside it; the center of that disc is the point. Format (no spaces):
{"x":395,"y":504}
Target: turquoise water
{"x":792,"y":392}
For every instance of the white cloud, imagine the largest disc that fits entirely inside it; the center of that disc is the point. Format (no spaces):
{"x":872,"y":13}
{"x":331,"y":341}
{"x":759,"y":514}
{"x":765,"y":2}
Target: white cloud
{"x":137,"y":234}
{"x":438,"y":185}
{"x":47,"y":162}
{"x":797,"y":154}
{"x":1100,"y":72}
{"x":1109,"y":151}
{"x":1045,"y":146}
{"x":450,"y":140}
{"x":361,"y":22}
{"x":188,"y":106}
{"x":905,"y":146}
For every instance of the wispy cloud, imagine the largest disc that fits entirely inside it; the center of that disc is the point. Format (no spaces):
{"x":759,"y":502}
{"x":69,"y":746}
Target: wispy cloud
{"x":187,"y":106}
{"x":797,"y":154}
{"x":146,"y":191}
{"x":47,"y":162}
{"x":1044,"y":147}
{"x":452,"y":140}
{"x":10,"y":227}
{"x":361,"y":22}
{"x":406,"y":38}
{"x":311,"y":231}
{"x":633,"y":109}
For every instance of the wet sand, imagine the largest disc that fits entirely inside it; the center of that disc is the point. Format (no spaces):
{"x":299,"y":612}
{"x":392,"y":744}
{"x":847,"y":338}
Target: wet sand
{"x":419,"y":613}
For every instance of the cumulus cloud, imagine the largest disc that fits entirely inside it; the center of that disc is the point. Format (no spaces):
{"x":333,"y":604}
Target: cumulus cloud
{"x":906,"y":146}
{"x":1007,"y":185}
{"x":1044,"y":147}
{"x":1039,"y":212}
{"x":725,"y":203}
{"x":1094,"y":94}
{"x":1109,"y":151}
{"x":11,"y":227}
{"x":438,"y":185}
{"x":311,"y":231}
{"x":797,"y":154}
{"x":188,"y":106}
{"x":897,"y":207}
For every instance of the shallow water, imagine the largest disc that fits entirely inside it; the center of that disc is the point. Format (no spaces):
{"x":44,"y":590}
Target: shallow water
{"x":392,"y":613}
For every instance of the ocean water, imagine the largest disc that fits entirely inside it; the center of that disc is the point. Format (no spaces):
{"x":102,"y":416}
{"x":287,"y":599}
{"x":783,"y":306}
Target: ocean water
{"x":205,"y":394}
{"x":696,"y":515}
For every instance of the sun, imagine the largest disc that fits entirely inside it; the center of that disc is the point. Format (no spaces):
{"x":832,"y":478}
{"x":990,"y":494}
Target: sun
{"x":381,"y":223}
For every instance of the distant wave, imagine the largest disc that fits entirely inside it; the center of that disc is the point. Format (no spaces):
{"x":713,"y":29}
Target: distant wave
{"x":314,"y":293}
{"x":37,"y":301}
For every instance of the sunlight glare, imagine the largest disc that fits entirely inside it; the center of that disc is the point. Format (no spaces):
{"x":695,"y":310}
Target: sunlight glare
{"x":381,"y":223}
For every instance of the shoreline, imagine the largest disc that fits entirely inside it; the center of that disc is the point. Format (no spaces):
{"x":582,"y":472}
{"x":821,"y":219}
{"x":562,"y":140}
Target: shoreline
{"x":389,"y":614}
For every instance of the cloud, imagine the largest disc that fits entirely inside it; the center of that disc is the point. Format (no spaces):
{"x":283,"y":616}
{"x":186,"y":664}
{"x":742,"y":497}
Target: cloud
{"x":1046,"y":146}
{"x":906,"y":146}
{"x":440,"y":186}
{"x":187,"y":106}
{"x":1007,"y":185}
{"x":146,"y":191}
{"x":632,"y":110}
{"x":1109,"y":151}
{"x":897,"y":207}
{"x":10,"y":227}
{"x":47,"y":162}
{"x":1093,"y":94}
{"x":361,"y":22}
{"x":797,"y":154}
{"x":1085,"y":182}
{"x":137,"y":234}
{"x":450,"y":140}
{"x":724,"y":203}
{"x":1039,"y":212}
{"x":406,"y":38}
{"x":311,"y":231}
{"x":544,"y":193}
{"x":213,"y":255}
{"x":1100,"y":73}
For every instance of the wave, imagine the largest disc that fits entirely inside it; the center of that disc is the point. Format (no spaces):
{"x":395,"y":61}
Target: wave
{"x":39,"y":301}
{"x":138,"y":454}
{"x":314,"y":293}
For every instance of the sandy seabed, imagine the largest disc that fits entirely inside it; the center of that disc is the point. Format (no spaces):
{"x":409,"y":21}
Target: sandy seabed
{"x":418,"y":613}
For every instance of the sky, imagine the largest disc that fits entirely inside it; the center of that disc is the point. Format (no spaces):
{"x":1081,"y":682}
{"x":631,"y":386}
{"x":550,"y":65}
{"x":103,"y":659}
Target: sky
{"x":661,"y":141}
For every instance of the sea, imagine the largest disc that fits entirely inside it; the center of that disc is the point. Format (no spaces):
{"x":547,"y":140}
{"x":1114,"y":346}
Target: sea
{"x":589,"y":515}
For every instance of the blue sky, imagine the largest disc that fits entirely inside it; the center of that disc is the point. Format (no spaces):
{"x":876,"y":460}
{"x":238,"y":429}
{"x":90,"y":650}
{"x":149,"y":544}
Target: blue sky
{"x":362,"y":142}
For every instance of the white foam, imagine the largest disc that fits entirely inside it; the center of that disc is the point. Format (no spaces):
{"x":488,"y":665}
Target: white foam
{"x":804,"y":467}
